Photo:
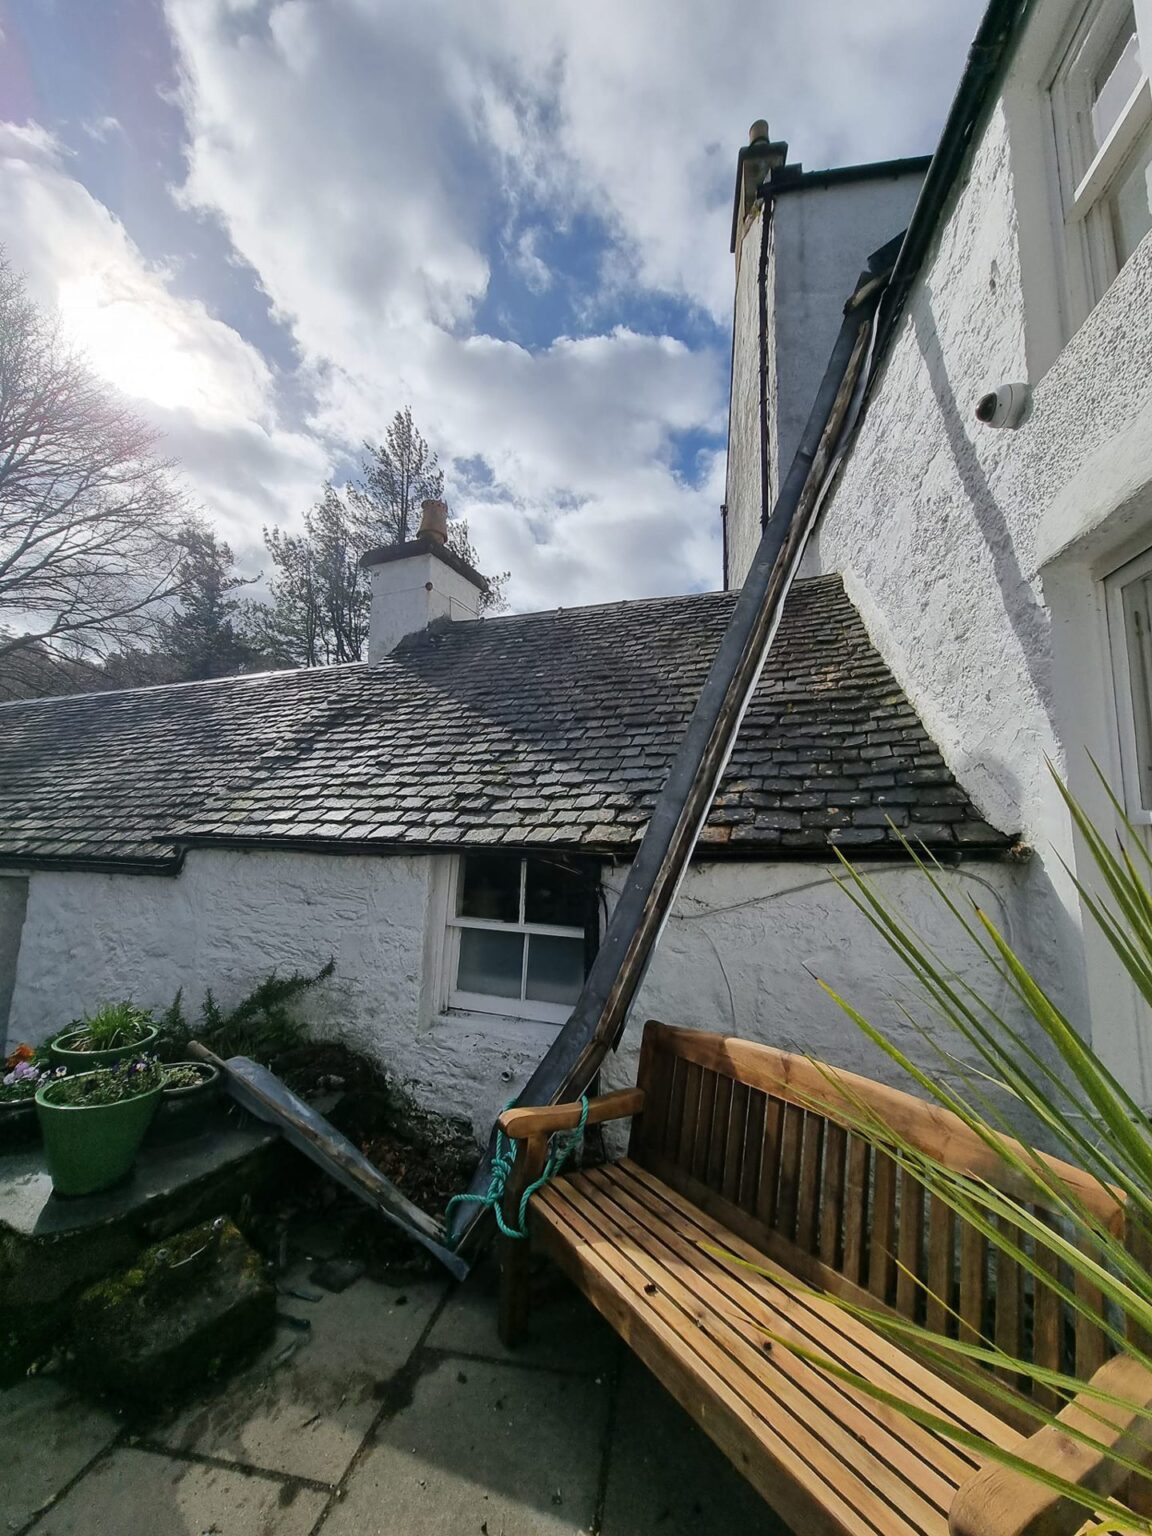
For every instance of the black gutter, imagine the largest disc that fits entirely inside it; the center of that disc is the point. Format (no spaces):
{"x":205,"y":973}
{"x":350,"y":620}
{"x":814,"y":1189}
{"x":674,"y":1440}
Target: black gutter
{"x":681,"y":810}
{"x":620,"y":852}
{"x":62,"y":863}
{"x":987,"y":59}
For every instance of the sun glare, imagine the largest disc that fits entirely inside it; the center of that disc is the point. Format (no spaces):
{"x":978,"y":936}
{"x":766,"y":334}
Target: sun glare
{"x":135,"y":346}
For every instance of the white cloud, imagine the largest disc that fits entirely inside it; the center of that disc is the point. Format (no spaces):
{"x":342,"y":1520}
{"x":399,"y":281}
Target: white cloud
{"x":371,"y":159}
{"x":208,"y":390}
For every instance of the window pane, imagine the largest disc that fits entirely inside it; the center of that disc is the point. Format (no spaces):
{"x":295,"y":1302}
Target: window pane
{"x":554,"y":895}
{"x":1138,"y":632}
{"x":1115,"y":80}
{"x":1131,"y":202}
{"x":490,"y":887}
{"x":555,"y":969}
{"x":490,"y":962}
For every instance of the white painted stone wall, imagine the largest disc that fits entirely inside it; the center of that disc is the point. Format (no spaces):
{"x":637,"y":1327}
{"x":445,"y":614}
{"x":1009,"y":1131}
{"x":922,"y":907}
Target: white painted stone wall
{"x":746,"y":943}
{"x":944,"y":530}
{"x":736,"y":956}
{"x":819,"y":239}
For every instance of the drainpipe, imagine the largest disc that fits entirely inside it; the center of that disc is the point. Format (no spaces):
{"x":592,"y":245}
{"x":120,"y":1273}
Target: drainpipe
{"x":601,"y":1012}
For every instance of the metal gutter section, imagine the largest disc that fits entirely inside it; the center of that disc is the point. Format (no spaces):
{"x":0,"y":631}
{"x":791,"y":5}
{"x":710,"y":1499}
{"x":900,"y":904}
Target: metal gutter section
{"x":601,"y":1012}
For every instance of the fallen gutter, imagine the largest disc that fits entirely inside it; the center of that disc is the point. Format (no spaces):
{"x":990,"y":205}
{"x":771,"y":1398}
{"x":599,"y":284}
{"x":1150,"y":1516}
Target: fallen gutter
{"x":601,"y":1012}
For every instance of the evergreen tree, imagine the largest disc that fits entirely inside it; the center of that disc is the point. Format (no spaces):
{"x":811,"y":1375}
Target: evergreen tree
{"x":203,"y":637}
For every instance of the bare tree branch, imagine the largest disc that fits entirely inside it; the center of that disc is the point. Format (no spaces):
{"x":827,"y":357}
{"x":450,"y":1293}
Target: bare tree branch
{"x":89,"y":517}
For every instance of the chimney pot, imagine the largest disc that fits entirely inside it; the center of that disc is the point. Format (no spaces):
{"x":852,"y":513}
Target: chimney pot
{"x":434,"y":521}
{"x":758,"y":131}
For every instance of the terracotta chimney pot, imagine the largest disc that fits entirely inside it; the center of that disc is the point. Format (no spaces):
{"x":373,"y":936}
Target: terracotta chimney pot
{"x":434,"y":521}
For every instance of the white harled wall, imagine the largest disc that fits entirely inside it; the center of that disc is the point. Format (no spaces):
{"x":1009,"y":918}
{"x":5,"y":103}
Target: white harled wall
{"x":739,"y":955}
{"x":975,"y":555}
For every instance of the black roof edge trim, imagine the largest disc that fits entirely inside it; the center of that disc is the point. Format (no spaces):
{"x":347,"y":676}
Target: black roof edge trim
{"x":47,"y":863}
{"x":792,"y":178}
{"x":705,"y":852}
{"x":424,"y":546}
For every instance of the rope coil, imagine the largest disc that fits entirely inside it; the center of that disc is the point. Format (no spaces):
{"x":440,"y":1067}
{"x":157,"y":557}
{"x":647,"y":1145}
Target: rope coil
{"x":560,"y":1148}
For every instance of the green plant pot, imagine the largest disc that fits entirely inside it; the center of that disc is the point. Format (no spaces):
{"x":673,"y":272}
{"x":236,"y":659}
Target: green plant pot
{"x":89,"y":1147}
{"x":87,"y":1061}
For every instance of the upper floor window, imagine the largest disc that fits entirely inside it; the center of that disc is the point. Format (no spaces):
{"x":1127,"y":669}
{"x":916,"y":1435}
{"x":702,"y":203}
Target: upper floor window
{"x":520,"y":934}
{"x":1129,"y":600}
{"x":1102,"y":113}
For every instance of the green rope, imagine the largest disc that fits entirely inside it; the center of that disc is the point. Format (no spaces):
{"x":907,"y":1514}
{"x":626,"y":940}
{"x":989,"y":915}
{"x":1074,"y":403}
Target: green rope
{"x":504,"y":1160}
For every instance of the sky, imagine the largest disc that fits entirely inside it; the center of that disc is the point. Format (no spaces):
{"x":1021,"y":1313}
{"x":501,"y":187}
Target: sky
{"x":273,"y":223}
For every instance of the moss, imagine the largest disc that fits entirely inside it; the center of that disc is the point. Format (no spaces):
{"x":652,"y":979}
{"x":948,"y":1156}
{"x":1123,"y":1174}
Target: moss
{"x":188,"y":1309}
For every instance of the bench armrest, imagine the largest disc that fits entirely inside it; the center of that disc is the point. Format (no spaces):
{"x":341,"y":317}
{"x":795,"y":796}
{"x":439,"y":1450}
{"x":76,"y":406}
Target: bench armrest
{"x":998,"y":1501}
{"x":520,"y":1124}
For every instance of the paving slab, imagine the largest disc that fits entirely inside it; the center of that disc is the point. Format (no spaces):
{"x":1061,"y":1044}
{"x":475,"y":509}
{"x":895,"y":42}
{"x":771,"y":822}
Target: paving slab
{"x":308,"y":1413}
{"x":565,"y":1331}
{"x":481,"y":1447}
{"x":137,"y":1493}
{"x":666,"y":1478}
{"x":48,"y":1435}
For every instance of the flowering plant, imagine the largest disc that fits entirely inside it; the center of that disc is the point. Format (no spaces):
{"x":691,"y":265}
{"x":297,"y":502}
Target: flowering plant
{"x":25,"y":1070}
{"x":107,"y":1085}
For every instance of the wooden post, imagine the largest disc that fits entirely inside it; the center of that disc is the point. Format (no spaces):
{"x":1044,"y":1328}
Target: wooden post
{"x":516,"y":1253}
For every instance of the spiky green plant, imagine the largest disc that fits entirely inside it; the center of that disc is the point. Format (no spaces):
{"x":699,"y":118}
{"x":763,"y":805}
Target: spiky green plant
{"x":1030,"y":1056}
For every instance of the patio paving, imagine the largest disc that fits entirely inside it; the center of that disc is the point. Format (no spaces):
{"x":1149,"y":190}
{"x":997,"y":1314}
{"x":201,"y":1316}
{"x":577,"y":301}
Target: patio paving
{"x":398,"y":1414}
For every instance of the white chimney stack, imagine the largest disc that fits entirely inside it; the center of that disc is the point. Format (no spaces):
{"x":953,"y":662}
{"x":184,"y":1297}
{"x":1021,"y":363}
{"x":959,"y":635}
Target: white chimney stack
{"x":414,"y":584}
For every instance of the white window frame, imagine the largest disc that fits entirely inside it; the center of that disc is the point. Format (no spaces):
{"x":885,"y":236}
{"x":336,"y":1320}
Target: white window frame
{"x":483,"y":1002}
{"x":1085,"y":176}
{"x":1123,"y":690}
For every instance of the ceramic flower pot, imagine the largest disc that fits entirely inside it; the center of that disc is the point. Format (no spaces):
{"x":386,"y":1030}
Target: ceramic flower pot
{"x":65,"y":1051}
{"x":89,"y":1147}
{"x":187,"y":1112}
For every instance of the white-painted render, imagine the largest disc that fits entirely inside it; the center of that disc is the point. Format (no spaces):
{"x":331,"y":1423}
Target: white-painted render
{"x":740,"y":954}
{"x":410,"y":594}
{"x":976,"y":556}
{"x":812,"y":247}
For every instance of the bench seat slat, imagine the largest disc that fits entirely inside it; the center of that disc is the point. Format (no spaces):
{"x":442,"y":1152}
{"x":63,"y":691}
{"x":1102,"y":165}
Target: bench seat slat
{"x":933,"y":1466}
{"x":790,"y":1465}
{"x":922,"y":1382}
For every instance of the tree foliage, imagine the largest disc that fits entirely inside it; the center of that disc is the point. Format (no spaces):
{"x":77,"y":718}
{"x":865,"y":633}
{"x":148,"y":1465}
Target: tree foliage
{"x":321,"y":600}
{"x":89,"y":516}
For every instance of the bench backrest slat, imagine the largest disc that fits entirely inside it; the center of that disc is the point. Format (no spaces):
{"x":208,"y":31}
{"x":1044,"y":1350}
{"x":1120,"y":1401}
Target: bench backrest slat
{"x":753,"y":1134}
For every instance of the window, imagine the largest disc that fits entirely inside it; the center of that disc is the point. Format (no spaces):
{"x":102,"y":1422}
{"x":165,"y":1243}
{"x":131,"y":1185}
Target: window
{"x":518,"y":935}
{"x":1102,"y":113}
{"x":1129,"y":599}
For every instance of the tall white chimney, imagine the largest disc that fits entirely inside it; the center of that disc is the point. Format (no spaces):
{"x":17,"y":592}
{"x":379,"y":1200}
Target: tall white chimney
{"x":414,"y":584}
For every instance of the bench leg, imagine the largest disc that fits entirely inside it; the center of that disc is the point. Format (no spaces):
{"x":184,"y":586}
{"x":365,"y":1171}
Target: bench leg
{"x":515,"y":1263}
{"x":515,"y":1253}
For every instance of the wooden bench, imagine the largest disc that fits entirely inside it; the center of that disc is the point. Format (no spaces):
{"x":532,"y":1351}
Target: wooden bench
{"x":724,"y":1154}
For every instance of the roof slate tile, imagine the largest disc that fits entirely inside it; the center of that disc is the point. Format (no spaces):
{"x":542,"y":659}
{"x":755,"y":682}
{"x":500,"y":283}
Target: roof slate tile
{"x":550,"y":728}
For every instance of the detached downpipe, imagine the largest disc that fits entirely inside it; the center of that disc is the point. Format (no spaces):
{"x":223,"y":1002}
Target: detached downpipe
{"x":601,"y":1012}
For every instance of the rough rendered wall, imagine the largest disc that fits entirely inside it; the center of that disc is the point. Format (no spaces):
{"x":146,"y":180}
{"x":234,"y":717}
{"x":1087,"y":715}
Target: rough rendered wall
{"x":230,"y":918}
{"x":733,"y":958}
{"x":936,"y":520}
{"x":745,"y":942}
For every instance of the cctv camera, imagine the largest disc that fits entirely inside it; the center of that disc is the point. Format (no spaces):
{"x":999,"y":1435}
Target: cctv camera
{"x":1003,"y":407}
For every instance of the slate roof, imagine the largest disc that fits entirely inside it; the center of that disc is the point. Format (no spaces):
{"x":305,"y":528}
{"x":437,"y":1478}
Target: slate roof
{"x":549,"y":728}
